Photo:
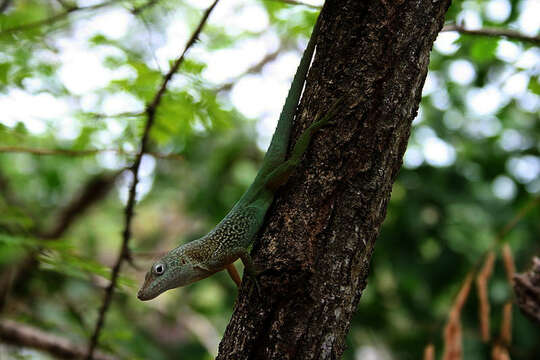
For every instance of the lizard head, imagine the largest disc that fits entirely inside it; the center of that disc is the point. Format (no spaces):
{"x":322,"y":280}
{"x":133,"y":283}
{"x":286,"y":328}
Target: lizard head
{"x":171,"y":271}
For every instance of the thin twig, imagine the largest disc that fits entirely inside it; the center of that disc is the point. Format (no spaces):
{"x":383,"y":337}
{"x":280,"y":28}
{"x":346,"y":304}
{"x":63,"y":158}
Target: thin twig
{"x":97,"y":115}
{"x":126,"y":234}
{"x":64,"y":4}
{"x":482,"y":279}
{"x":75,"y":153}
{"x":297,"y":2}
{"x":31,"y":337}
{"x":57,"y":17}
{"x":4,"y":5}
{"x":429,"y":352}
{"x":254,"y":69}
{"x":453,"y":347}
{"x":516,"y":219}
{"x":139,"y":9}
{"x":493,"y":32}
{"x":91,"y":193}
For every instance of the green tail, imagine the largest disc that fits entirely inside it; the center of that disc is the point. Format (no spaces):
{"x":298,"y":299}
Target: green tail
{"x":277,"y":151}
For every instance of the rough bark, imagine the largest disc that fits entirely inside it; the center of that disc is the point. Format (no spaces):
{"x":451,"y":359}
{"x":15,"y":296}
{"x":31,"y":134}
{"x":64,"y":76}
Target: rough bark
{"x":527,"y":291}
{"x":319,"y":235}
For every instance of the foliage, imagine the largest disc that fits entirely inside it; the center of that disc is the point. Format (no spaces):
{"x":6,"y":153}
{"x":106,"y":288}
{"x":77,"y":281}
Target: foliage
{"x":472,"y":165}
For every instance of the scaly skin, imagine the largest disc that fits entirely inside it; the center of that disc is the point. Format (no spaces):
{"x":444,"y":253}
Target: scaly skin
{"x":232,"y":237}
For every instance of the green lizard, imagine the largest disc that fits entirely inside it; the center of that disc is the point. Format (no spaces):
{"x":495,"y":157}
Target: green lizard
{"x":233,"y":236}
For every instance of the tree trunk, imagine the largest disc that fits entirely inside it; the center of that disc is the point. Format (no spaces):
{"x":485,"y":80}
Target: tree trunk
{"x":320,"y":232}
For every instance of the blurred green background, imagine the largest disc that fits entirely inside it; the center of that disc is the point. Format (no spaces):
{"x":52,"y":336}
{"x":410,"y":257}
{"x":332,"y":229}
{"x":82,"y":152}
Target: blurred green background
{"x":80,"y":83}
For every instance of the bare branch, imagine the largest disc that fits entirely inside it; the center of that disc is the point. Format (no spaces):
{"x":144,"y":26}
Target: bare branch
{"x":95,"y":190}
{"x":254,"y":69}
{"x":126,"y":235}
{"x":517,"y":218}
{"x":55,"y":18}
{"x":88,"y":152}
{"x":453,"y":347}
{"x":64,"y":4}
{"x":482,"y":279}
{"x":4,"y":4}
{"x":126,"y":114}
{"x":28,"y":336}
{"x":297,"y":2}
{"x":139,"y":9}
{"x":493,"y":32}
{"x":429,"y":352}
{"x":151,"y":108}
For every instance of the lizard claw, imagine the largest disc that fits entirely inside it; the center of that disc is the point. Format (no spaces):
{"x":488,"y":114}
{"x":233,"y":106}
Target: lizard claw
{"x":253,"y":278}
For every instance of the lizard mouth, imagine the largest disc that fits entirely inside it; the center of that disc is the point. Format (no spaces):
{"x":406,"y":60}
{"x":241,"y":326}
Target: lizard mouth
{"x":144,"y":297}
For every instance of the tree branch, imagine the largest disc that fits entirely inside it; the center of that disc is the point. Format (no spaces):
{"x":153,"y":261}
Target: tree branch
{"x":93,"y":191}
{"x":28,"y":336}
{"x":126,"y":235}
{"x":493,"y":32}
{"x":255,"y":68}
{"x":297,"y":2}
{"x":139,"y":9}
{"x":69,"y":152}
{"x":55,"y":18}
{"x":4,"y":4}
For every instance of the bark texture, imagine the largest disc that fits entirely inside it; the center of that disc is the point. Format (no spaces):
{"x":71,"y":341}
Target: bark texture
{"x":527,"y":291}
{"x":320,"y":232}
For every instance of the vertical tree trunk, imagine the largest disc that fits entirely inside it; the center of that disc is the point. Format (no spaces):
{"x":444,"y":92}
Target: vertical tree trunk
{"x":320,"y":233}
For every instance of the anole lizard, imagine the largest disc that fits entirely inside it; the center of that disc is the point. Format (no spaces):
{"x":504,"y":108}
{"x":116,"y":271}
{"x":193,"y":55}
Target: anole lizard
{"x":233,"y":236}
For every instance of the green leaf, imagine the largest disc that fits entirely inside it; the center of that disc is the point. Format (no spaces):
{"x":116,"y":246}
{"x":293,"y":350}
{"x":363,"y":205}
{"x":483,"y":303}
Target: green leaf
{"x":534,"y":85}
{"x":483,"y":49}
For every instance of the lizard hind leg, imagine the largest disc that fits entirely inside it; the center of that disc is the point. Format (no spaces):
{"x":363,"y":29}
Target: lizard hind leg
{"x":250,"y":271}
{"x":281,"y":174}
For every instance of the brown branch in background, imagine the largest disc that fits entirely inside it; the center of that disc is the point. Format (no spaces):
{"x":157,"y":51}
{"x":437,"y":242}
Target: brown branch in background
{"x":527,"y":291}
{"x":254,"y":69}
{"x":509,"y":266}
{"x":92,"y":192}
{"x":452,"y":331}
{"x":139,"y":9}
{"x":74,"y":153}
{"x":506,"y":324}
{"x":483,"y":300}
{"x":500,"y":348}
{"x":65,"y":4}
{"x":499,"y":352}
{"x":31,"y":337}
{"x":55,"y":18}
{"x":515,"y":220}
{"x":493,"y":32}
{"x":429,"y":352}
{"x":173,"y":331}
{"x":95,"y":190}
{"x":126,"y":234}
{"x":297,"y":2}
{"x":4,"y":5}
{"x":124,"y":114}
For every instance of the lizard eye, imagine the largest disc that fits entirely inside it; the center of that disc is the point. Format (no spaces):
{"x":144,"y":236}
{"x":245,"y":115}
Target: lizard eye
{"x":159,"y":269}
